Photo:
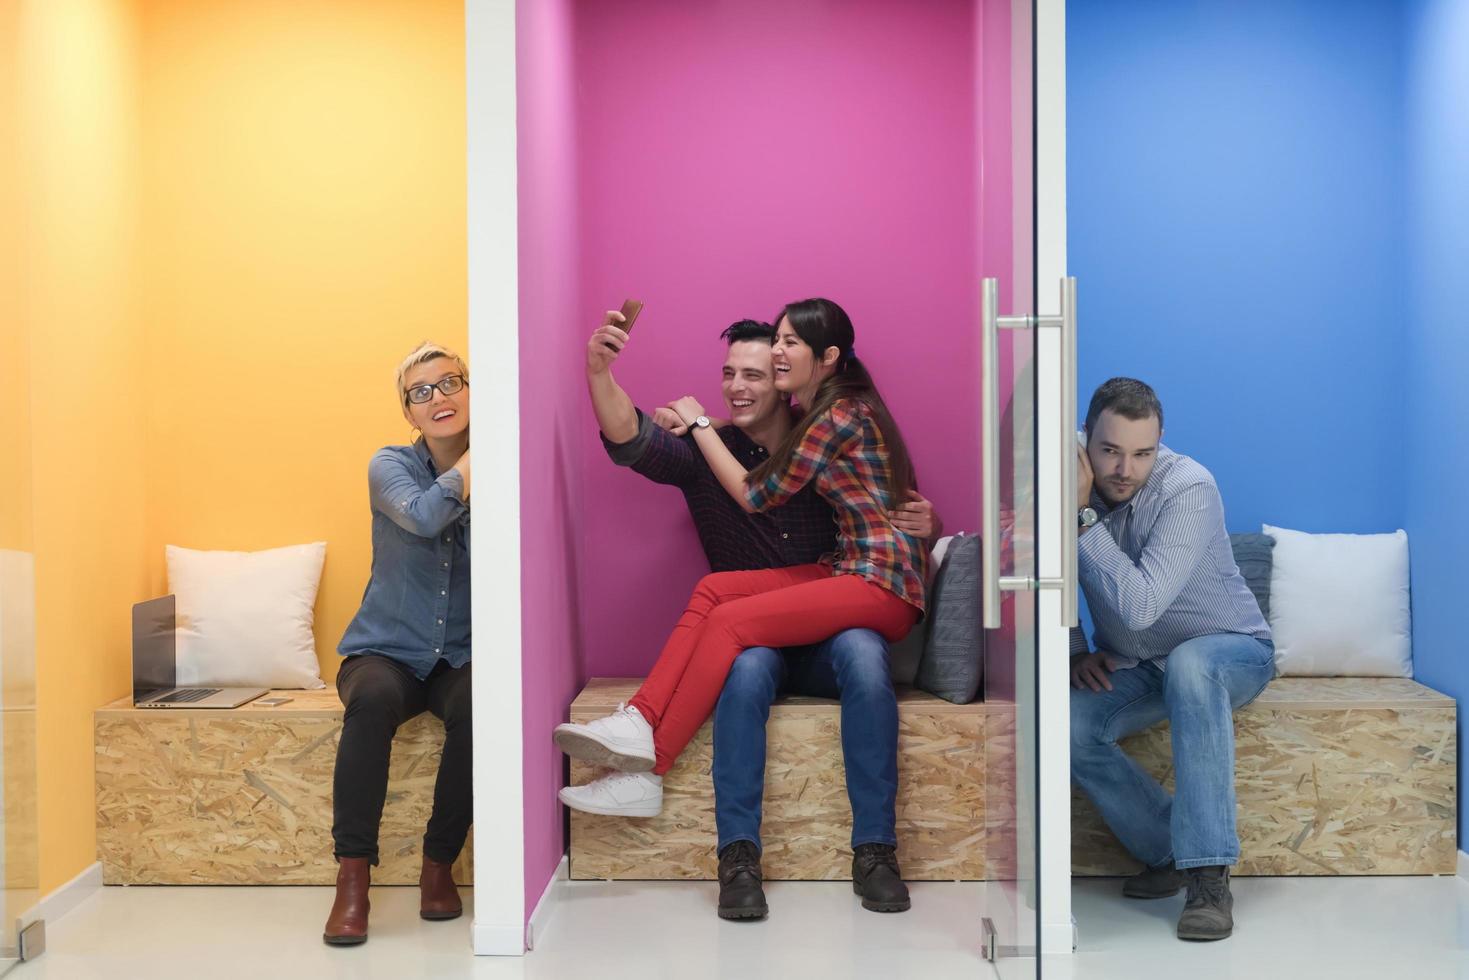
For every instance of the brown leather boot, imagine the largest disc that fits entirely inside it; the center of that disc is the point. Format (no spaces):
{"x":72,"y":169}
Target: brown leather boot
{"x":347,"y":925}
{"x":438,"y":896}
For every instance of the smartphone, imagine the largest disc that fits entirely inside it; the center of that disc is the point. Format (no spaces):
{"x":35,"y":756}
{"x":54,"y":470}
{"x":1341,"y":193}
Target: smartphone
{"x":274,"y":702}
{"x":630,"y":310}
{"x":1081,"y":438}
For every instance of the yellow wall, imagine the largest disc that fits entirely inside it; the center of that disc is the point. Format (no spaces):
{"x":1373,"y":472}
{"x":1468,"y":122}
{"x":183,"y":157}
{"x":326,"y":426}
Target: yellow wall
{"x":241,"y":214}
{"x":79,"y":126}
{"x":15,"y":397}
{"x":305,"y":198}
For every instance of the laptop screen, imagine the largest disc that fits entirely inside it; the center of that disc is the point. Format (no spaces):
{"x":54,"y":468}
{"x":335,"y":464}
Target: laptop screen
{"x":154,"y":666}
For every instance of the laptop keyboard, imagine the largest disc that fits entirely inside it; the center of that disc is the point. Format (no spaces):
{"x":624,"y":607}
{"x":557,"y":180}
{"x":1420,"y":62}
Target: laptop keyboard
{"x":188,"y":694}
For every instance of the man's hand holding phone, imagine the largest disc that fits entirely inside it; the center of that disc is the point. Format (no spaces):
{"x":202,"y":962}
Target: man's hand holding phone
{"x":606,"y":343}
{"x":611,"y":337}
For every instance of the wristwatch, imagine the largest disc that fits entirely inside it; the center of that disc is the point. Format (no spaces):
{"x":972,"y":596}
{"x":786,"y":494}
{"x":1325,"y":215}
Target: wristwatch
{"x":702,"y":422}
{"x":1086,"y":517}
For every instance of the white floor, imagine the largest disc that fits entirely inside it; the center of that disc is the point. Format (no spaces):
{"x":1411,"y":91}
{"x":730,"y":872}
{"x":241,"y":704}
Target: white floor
{"x":1415,"y":928}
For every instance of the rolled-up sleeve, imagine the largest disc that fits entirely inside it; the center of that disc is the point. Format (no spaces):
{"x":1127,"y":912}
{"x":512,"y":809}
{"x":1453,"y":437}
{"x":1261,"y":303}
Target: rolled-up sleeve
{"x":656,"y":454}
{"x":1140,"y":592}
{"x":631,"y":452}
{"x":424,"y":511}
{"x":827,"y":438}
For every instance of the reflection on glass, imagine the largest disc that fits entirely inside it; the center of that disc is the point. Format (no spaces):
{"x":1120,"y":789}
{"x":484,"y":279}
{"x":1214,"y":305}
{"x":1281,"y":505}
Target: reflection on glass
{"x":1007,"y":254}
{"x":19,"y":857}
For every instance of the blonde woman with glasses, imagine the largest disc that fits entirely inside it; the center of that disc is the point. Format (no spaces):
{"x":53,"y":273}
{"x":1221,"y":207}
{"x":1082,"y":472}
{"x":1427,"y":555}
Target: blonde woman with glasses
{"x":408,"y":648}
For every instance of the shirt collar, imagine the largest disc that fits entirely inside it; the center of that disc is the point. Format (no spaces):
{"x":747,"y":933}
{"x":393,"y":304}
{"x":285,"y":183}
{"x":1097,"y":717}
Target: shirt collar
{"x":743,"y":444}
{"x":420,"y":449}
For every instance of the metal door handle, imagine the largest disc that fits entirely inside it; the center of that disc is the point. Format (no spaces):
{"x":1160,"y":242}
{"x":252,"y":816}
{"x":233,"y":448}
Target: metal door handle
{"x":992,"y":582}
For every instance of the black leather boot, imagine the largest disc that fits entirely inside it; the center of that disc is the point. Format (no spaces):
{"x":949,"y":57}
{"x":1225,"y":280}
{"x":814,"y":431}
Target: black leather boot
{"x":740,"y":893}
{"x":875,"y":876}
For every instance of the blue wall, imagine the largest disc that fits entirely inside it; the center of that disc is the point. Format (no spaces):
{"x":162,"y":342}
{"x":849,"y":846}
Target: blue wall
{"x":1268,"y":208}
{"x":1436,"y":384}
{"x":1234,"y":200}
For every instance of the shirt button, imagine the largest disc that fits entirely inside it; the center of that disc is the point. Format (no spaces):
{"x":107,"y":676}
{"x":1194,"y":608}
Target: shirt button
{"x":441,"y":622}
{"x":443,"y":592}
{"x":446,"y":539}
{"x":446,"y":564}
{"x":436,"y":649}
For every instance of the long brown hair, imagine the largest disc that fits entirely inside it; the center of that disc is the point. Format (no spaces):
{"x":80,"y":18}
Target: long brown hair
{"x":820,"y":324}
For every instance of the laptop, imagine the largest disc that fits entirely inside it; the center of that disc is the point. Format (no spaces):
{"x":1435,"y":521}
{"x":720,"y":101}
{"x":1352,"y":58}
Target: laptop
{"x":155,"y":664}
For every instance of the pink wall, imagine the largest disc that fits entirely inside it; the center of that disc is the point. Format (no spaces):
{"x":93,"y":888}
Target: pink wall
{"x":716,"y":161}
{"x":734,"y":157}
{"x":552,"y":392}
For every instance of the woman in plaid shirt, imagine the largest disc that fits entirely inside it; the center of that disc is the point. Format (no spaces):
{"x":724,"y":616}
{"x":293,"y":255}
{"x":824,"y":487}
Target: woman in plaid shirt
{"x":848,"y":445}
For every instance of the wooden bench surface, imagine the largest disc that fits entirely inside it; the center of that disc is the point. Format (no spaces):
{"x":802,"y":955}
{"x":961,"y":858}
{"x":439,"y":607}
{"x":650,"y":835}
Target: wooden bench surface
{"x":1350,"y":693}
{"x":303,"y":704}
{"x":244,"y":796}
{"x":603,"y":694}
{"x":1334,"y":775}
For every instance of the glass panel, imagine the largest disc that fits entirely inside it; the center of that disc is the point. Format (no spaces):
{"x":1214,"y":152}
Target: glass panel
{"x":1007,"y":254}
{"x":18,"y":847}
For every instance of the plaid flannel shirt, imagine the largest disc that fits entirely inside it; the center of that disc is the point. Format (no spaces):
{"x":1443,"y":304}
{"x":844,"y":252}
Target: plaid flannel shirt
{"x":843,"y":455}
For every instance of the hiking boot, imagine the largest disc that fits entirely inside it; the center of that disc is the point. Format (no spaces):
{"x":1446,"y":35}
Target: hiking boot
{"x":875,"y":877}
{"x":740,"y":893}
{"x":1164,"y":881}
{"x":1208,"y":912}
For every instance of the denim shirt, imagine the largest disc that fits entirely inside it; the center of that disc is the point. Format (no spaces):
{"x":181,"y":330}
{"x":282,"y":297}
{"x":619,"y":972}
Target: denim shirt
{"x":416,"y":606}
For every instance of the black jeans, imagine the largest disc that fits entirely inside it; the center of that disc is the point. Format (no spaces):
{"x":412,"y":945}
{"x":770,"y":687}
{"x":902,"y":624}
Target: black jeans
{"x":380,"y":694}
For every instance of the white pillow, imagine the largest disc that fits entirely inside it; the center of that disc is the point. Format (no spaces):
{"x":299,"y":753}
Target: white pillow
{"x":1339,"y":604}
{"x":245,"y":617}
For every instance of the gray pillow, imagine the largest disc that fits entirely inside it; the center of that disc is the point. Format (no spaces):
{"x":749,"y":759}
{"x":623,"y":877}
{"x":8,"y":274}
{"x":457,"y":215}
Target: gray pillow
{"x":952,"y":664}
{"x":1254,"y":554}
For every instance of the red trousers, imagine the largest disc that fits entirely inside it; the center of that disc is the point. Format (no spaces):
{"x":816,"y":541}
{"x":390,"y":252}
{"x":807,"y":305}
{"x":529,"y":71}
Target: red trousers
{"x":732,"y":611}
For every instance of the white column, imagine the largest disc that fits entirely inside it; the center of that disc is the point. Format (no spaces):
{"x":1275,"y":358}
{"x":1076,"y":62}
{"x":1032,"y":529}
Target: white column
{"x":499,"y":812}
{"x":1052,"y":681}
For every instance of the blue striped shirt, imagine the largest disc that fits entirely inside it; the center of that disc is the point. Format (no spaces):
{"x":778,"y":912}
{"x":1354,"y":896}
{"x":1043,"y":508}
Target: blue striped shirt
{"x":1159,"y":570}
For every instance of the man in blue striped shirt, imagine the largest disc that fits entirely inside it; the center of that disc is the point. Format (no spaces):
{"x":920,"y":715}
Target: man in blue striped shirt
{"x":1178,"y":637}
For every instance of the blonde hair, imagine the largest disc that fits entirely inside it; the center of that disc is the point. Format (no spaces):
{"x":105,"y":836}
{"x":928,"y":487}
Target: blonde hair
{"x":422,"y":354}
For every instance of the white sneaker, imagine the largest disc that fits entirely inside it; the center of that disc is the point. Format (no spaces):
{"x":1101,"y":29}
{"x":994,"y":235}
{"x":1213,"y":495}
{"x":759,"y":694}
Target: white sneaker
{"x":618,"y":794}
{"x":623,"y":740}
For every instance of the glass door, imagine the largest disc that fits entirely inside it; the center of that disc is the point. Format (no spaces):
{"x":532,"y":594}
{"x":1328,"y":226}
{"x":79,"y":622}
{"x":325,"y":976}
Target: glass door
{"x":19,"y":855}
{"x":1028,"y":382}
{"x":1008,"y":485}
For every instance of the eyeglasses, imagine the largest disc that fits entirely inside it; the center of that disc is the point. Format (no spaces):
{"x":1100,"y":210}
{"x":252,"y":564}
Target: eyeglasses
{"x":451,"y":385}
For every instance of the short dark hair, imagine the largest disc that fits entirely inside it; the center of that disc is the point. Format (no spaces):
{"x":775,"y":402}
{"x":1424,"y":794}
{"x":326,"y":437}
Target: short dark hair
{"x":748,"y":330}
{"x":1129,"y":398}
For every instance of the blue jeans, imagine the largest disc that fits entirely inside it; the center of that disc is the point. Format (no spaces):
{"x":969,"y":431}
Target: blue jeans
{"x":852,"y":666}
{"x":1196,"y":691}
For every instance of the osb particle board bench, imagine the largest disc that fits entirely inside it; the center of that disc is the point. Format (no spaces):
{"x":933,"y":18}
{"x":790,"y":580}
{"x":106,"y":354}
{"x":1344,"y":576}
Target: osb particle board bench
{"x":1333,"y":775}
{"x":946,"y":752}
{"x":190,"y":796}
